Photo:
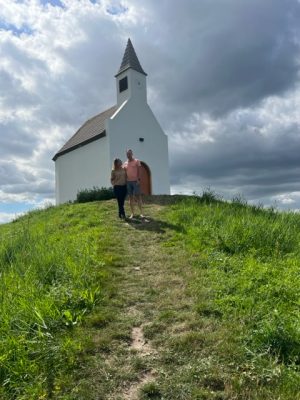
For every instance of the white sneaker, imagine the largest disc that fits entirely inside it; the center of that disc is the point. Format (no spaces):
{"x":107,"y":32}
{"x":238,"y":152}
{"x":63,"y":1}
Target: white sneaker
{"x":131,"y":216}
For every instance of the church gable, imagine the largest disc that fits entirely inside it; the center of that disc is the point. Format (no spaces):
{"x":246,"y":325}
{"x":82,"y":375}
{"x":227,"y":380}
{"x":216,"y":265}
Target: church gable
{"x":128,"y":124}
{"x":91,"y":130}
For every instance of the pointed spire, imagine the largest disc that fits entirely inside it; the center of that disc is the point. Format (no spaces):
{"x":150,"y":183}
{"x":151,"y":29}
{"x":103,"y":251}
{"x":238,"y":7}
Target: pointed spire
{"x":130,"y":60}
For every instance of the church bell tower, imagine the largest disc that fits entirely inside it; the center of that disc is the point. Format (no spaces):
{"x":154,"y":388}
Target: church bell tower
{"x":131,"y":78}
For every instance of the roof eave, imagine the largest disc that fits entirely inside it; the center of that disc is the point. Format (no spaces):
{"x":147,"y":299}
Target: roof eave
{"x":127,"y":68}
{"x":61,"y":153}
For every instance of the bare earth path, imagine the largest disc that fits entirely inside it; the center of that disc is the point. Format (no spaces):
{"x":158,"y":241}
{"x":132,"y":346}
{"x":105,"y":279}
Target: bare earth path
{"x":152,"y":292}
{"x":145,"y":344}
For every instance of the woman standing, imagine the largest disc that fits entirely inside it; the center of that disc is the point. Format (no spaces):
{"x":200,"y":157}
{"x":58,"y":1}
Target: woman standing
{"x":118,"y":180}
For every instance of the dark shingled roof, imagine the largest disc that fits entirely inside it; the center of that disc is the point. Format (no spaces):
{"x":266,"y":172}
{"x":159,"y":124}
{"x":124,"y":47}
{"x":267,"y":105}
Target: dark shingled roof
{"x":130,"y":60}
{"x":91,"y":130}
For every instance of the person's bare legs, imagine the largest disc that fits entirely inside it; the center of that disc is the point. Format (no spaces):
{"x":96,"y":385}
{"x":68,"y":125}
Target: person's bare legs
{"x":140,"y":204}
{"x":131,"y":203}
{"x":132,"y":200}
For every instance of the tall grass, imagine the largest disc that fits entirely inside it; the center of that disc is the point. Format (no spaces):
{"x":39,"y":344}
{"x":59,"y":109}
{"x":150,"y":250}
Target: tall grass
{"x":55,"y":269}
{"x":247,"y":262}
{"x":52,"y":274}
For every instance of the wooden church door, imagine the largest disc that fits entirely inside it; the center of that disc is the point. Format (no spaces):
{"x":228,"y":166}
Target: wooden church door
{"x":145,"y":176}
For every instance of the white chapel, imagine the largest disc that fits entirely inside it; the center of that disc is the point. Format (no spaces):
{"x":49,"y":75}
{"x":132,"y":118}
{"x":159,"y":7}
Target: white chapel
{"x":85,"y":161}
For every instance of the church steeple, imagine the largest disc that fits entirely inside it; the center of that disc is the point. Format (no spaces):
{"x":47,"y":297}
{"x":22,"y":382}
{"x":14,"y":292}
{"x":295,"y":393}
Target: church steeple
{"x":130,"y":60}
{"x":131,"y":78}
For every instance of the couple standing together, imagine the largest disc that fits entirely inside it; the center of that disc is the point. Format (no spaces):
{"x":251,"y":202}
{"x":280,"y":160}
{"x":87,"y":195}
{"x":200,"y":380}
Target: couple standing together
{"x":125,"y":179}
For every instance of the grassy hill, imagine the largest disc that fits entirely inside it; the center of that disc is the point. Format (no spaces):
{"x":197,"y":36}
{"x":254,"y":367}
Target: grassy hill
{"x":198,"y":301}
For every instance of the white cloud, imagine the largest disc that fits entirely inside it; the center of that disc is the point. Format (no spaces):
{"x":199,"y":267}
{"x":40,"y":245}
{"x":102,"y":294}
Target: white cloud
{"x":49,"y":86}
{"x":225,"y":89}
{"x":288,"y":199}
{"x":8,"y":217}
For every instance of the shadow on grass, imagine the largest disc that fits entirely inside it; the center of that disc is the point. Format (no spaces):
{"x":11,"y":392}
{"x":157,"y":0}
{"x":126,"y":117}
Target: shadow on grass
{"x":207,"y":197}
{"x":154,"y":225}
{"x":164,"y":199}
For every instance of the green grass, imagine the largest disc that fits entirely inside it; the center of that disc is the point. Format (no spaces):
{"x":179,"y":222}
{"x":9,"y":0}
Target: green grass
{"x":246,"y":261}
{"x":54,"y":272}
{"x":215,"y":287}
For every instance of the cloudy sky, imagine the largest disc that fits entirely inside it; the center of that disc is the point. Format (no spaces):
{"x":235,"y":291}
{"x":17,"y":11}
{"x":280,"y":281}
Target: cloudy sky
{"x":223,"y":81}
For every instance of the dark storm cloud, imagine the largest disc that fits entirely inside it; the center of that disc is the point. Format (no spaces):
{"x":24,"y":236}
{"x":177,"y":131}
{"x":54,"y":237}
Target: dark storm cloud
{"x":219,"y":55}
{"x":240,"y":158}
{"x":16,"y":140}
{"x":19,"y":181}
{"x":221,"y":157}
{"x":41,"y":187}
{"x":10,"y":174}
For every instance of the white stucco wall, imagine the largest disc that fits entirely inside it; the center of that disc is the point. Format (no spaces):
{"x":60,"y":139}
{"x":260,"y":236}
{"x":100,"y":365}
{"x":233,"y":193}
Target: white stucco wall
{"x":90,"y":165}
{"x":82,"y":168}
{"x":137,"y":87}
{"x":134,"y":120}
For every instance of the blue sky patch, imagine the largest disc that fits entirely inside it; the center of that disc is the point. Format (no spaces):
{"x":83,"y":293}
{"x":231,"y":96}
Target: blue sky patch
{"x":116,"y":9}
{"x":55,"y":3}
{"x":15,"y":207}
{"x":16,"y":31}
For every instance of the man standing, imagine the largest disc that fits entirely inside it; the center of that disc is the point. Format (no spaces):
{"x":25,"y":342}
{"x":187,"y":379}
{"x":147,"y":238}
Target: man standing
{"x":132,"y":167}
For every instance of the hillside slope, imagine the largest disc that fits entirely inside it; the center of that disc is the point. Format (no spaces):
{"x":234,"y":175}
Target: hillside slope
{"x":198,"y":301}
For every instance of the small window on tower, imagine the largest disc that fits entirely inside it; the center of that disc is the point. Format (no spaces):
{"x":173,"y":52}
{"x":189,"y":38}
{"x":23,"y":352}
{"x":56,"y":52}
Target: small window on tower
{"x":123,"y":84}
